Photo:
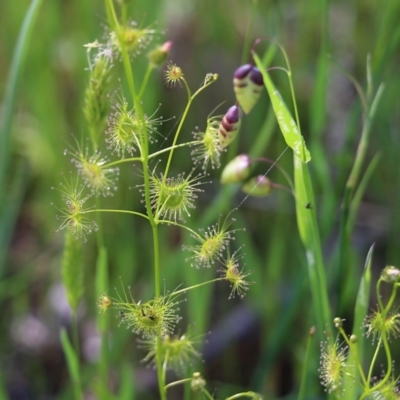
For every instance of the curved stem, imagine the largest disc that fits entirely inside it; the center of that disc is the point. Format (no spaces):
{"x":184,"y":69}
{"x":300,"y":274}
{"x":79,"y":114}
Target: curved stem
{"x":178,"y":130}
{"x":165,"y":366}
{"x":206,"y":393}
{"x":116,"y":211}
{"x":176,"y":383}
{"x":373,"y":362}
{"x":145,"y":81}
{"x":153,"y":155}
{"x":190,"y":100}
{"x":289,"y":72}
{"x":177,"y":146}
{"x":123,"y":160}
{"x":244,"y":394}
{"x":275,"y":164}
{"x":163,"y":221}
{"x":354,"y":352}
{"x":178,"y":292}
{"x":378,"y":295}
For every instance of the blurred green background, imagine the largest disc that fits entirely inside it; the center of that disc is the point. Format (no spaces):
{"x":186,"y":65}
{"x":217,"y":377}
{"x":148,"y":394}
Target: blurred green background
{"x":255,"y":343}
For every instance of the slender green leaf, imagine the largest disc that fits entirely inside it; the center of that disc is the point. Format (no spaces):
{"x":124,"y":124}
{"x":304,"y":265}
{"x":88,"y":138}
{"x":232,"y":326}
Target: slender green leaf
{"x":9,"y":97}
{"x":360,"y":311}
{"x":288,"y":126}
{"x":72,"y":362}
{"x":309,"y":234}
{"x":126,"y":391}
{"x":355,"y":202}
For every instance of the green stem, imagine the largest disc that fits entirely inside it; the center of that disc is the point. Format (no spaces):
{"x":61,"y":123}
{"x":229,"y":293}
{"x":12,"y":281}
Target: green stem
{"x":353,"y":350}
{"x":244,"y":394}
{"x":348,"y":194}
{"x":145,"y":81}
{"x":177,"y":146}
{"x":196,"y":286}
{"x":206,"y":393}
{"x":162,"y":221}
{"x":247,"y":43}
{"x":160,"y":375}
{"x":178,"y":131}
{"x":116,"y":211}
{"x":99,"y":233}
{"x":123,"y":160}
{"x":176,"y":383}
{"x":156,"y":261}
{"x":165,"y":367}
{"x":150,"y":216}
{"x":371,"y":367}
{"x":157,"y":153}
{"x":305,"y":372}
{"x":190,"y":100}
{"x":75,"y":333}
{"x":275,"y":164}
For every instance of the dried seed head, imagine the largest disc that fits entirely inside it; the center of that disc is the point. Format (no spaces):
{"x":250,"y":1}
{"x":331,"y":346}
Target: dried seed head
{"x":248,"y":85}
{"x":208,"y":150}
{"x":229,"y":126}
{"x":97,"y":105}
{"x":173,"y":74}
{"x":237,"y":170}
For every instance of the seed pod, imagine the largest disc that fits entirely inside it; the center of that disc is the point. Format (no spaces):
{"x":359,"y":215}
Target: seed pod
{"x":248,"y":84}
{"x":259,"y":186}
{"x":229,"y":126}
{"x":237,"y":170}
{"x":390,"y":274}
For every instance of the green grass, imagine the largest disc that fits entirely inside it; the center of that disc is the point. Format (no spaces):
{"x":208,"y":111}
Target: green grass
{"x":288,"y":296}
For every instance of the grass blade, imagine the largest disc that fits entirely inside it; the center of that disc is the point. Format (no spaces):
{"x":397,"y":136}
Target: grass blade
{"x":9,"y":97}
{"x":288,"y":126}
{"x":360,"y":311}
{"x":73,"y":363}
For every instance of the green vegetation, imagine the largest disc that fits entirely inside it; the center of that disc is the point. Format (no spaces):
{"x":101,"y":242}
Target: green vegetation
{"x":158,"y":159}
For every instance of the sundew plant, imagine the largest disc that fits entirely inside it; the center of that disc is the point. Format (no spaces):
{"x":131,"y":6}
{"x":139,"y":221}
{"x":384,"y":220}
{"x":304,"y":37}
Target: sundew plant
{"x":200,"y":224}
{"x":129,"y":133}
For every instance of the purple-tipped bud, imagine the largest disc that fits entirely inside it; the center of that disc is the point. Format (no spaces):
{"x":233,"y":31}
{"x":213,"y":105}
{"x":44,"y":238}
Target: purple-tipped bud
{"x":237,"y":170}
{"x":159,"y":55}
{"x":259,"y":186}
{"x":229,"y":126}
{"x":232,"y":116}
{"x":243,"y":71}
{"x":256,"y":77}
{"x":248,"y":84}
